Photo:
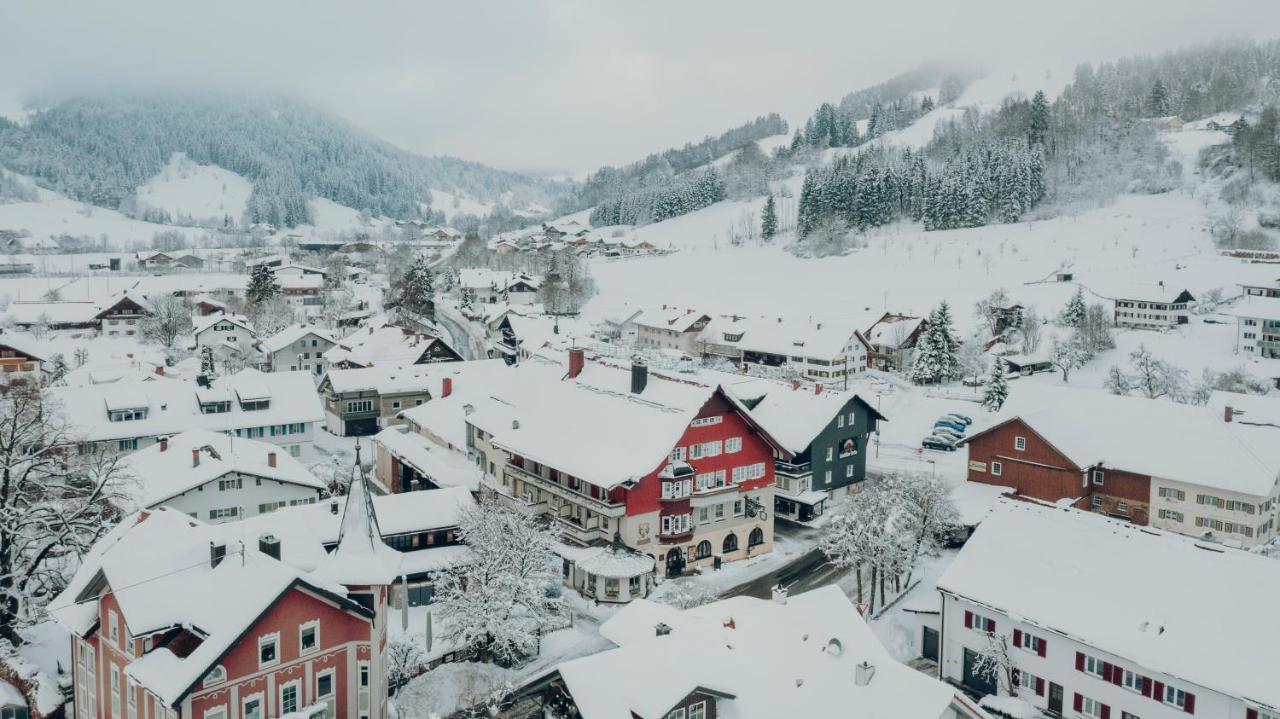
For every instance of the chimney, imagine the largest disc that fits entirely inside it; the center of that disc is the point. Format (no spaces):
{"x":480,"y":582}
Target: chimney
{"x":269,"y":545}
{"x":577,"y":359}
{"x":160,"y":370}
{"x":795,"y":384}
{"x":217,"y":553}
{"x":1227,"y":413}
{"x":817,"y":388}
{"x":195,"y":456}
{"x":862,"y":674}
{"x":639,"y":375}
{"x":661,"y":629}
{"x":271,"y":459}
{"x":164,"y":444}
{"x":446,"y":387}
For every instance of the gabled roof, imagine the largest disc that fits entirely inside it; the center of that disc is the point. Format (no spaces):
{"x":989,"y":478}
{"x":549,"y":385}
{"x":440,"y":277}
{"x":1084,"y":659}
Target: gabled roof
{"x":762,"y":659}
{"x":777,"y":335}
{"x":796,"y":417}
{"x":377,"y":345}
{"x":670,"y":318}
{"x":293,"y":333}
{"x":445,"y":467}
{"x":200,"y":324}
{"x":124,"y":298}
{"x":1168,"y":603}
{"x":1254,"y":307}
{"x":1163,"y":439}
{"x":164,"y":473}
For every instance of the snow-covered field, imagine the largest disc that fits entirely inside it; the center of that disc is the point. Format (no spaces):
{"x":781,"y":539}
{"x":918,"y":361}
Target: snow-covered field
{"x":451,"y":205}
{"x":197,"y":191}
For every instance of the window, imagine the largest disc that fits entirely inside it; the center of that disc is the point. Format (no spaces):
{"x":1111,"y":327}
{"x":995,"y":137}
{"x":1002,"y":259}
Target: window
{"x":217,"y":675}
{"x":719,"y":512}
{"x":115,"y":691}
{"x":113,"y":627}
{"x":677,"y":454}
{"x":676,"y":714}
{"x":848,"y":471}
{"x":360,"y":405}
{"x":228,"y":484}
{"x":308,"y":637}
{"x":218,"y":712}
{"x":324,"y":684}
{"x":1132,"y":681}
{"x":831,"y":452}
{"x":1092,"y":708}
{"x":289,"y":697}
{"x":268,"y":650}
{"x":1122,"y":507}
{"x":1028,"y":641}
{"x":1028,"y":681}
{"x":698,"y":711}
{"x":996,"y":468}
{"x":730,"y":543}
{"x":1096,"y":502}
{"x":1174,"y":494}
{"x":733,"y":444}
{"x":224,"y":513}
{"x":1175,"y":697}
{"x":1093,"y":665}
{"x":1097,"y":476}
{"x":840,"y":421}
{"x":705,"y":421}
{"x":127,"y":445}
{"x":973,"y":620}
{"x":1020,"y":443}
{"x":1171,"y":515}
{"x":131,"y":702}
{"x":253,"y":707}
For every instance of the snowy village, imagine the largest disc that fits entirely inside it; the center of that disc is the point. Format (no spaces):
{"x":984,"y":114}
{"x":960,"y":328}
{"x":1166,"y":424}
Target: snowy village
{"x":947,"y":387}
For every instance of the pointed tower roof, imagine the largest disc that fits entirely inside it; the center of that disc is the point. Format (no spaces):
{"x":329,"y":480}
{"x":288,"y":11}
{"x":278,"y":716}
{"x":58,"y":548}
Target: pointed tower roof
{"x":361,"y":558}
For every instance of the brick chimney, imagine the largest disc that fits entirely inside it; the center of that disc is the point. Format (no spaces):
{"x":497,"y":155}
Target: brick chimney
{"x":195,"y":457}
{"x":164,"y":444}
{"x":160,"y":370}
{"x":817,"y":388}
{"x":795,"y":384}
{"x":271,"y":459}
{"x":1227,"y":414}
{"x":577,"y":359}
{"x":446,"y":386}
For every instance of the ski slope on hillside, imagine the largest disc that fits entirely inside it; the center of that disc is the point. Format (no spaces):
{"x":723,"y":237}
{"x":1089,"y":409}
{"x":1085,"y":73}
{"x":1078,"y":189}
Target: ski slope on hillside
{"x":452,"y":205}
{"x":196,"y":191}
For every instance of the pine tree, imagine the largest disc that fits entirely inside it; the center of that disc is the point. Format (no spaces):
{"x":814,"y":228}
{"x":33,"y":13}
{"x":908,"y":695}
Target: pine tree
{"x":1158,"y":100}
{"x":59,"y":369}
{"x":769,"y":220}
{"x":947,"y":343}
{"x":262,"y":286}
{"x":1074,"y":313}
{"x":997,"y":390}
{"x":1038,"y":131}
{"x":926,"y":105}
{"x":207,"y":366}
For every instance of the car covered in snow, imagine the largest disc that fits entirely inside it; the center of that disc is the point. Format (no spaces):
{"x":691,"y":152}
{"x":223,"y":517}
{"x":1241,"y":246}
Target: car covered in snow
{"x":948,"y":433}
{"x":938,"y":442}
{"x":964,"y":419}
{"x":949,"y":424}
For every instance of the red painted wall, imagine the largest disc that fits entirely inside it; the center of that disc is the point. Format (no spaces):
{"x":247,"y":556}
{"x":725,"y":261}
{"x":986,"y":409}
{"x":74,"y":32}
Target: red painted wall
{"x":644,"y":497}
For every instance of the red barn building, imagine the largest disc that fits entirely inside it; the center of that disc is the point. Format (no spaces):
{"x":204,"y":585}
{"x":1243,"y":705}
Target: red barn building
{"x":171,"y":620}
{"x":673,"y":469}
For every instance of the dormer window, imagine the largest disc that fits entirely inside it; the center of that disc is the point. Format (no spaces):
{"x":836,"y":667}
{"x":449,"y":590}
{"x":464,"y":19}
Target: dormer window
{"x":215,"y":407}
{"x":127,"y":415}
{"x":255,"y":404}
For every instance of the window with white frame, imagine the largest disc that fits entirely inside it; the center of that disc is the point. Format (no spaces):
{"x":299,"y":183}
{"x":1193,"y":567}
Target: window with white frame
{"x":983,"y":623}
{"x":705,"y":421}
{"x":324,"y":684}
{"x":1020,"y":443}
{"x":1132,"y":681}
{"x":1173,"y":494}
{"x":131,"y":700}
{"x":1030,"y":641}
{"x":840,"y":421}
{"x":677,"y":454}
{"x":289,"y":699}
{"x":113,"y":627}
{"x":848,"y":471}
{"x":217,"y":675}
{"x":251,"y":708}
{"x":229,"y":484}
{"x":732,"y":444}
{"x":675,"y":714}
{"x":1096,"y":502}
{"x":309,"y":637}
{"x":1093,"y":665}
{"x":698,"y":711}
{"x":268,"y":650}
{"x":1097,"y":476}
{"x":115,"y":691}
{"x":1175,"y":697}
{"x":218,"y":712}
{"x":997,"y":468}
{"x":831,"y":452}
{"x":1171,"y":515}
{"x":1027,"y":680}
{"x":1091,"y":708}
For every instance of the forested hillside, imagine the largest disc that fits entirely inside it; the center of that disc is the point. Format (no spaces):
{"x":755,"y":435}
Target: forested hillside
{"x":99,"y":150}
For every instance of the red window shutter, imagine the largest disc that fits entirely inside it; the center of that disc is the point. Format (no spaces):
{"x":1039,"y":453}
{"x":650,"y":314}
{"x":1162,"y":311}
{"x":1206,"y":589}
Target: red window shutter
{"x":1190,"y":706}
{"x":1117,"y":676}
{"x":1079,"y":662}
{"x":1106,"y":712}
{"x":1106,"y":671}
{"x":1077,"y":704}
{"x":991,"y":626}
{"x":1146,"y":687}
{"x":1040,"y":688}
{"x":1044,"y":647}
{"x":968,"y":619}
{"x":1157,"y":690}
{"x":1017,"y":637}
{"x":1250,"y":714}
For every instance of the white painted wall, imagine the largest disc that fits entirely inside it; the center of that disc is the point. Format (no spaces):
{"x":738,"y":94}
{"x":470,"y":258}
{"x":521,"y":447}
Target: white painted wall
{"x":254,"y":492}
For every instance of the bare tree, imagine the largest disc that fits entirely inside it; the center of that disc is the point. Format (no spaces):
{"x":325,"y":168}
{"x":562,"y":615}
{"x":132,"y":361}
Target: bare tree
{"x":57,"y":497}
{"x":169,"y":319}
{"x":995,"y":664}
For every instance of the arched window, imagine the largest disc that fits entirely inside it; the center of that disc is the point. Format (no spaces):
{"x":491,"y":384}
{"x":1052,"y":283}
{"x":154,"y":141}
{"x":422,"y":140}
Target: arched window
{"x":757,"y":537}
{"x":217,"y":675}
{"x":730,"y":543}
{"x":704,"y":549}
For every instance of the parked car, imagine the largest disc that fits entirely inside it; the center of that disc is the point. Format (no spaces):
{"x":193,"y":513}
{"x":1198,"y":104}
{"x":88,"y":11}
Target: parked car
{"x":964,"y":419}
{"x":974,"y":381}
{"x":949,"y":424}
{"x":948,"y":433}
{"x":944,"y":444}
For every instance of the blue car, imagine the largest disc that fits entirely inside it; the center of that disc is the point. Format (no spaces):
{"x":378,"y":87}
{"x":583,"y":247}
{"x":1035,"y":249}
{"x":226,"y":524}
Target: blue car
{"x":948,"y":424}
{"x":964,"y":419}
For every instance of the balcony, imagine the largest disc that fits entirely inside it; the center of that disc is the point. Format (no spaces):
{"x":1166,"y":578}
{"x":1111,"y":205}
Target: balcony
{"x":792,"y":470}
{"x":609,"y":509}
{"x":584,"y":531}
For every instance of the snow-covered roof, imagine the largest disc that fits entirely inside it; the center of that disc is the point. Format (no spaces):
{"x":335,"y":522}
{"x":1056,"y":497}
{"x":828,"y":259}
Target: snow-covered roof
{"x":157,"y":565}
{"x":794,"y":417}
{"x":1253,"y":307}
{"x":445,"y":417}
{"x":293,"y":333}
{"x":591,"y":426}
{"x":411,"y":378}
{"x":670,"y":318}
{"x":1168,"y":604}
{"x":60,"y":312}
{"x":162,"y":472}
{"x":173,"y":406}
{"x":892,"y":330}
{"x":380,"y":345}
{"x":764,"y":659}
{"x":200,"y":324}
{"x":361,"y":557}
{"x":446,"y":467}
{"x":607,"y":561}
{"x":1145,"y":292}
{"x":780,"y":336}
{"x":26,"y":344}
{"x":485,"y":279}
{"x":305,"y":281}
{"x":1247,"y":409}
{"x":1180,"y":442}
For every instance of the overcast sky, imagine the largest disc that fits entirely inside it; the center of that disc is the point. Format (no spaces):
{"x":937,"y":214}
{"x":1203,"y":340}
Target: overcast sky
{"x":568,"y":85}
